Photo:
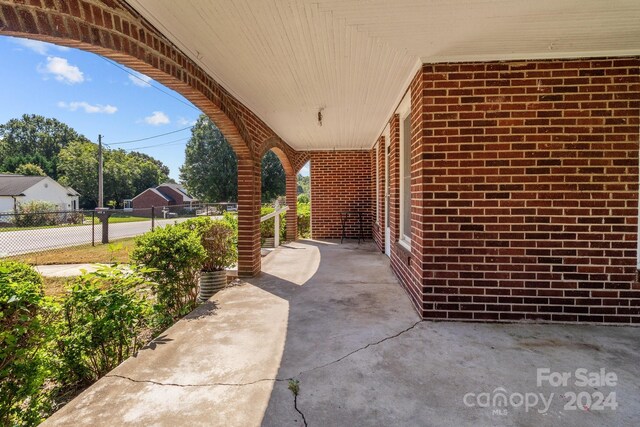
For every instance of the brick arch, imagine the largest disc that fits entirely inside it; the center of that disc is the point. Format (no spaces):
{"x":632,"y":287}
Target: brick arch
{"x":282,"y":150}
{"x":288,"y":158}
{"x":114,"y":30}
{"x":301,"y":159}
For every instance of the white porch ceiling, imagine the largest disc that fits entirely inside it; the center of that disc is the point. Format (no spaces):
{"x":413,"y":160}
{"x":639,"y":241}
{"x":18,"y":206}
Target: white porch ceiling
{"x":286,"y":59}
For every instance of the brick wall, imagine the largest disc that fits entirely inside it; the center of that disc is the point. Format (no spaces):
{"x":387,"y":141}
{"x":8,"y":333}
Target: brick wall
{"x":340,"y":181}
{"x":526,"y":190}
{"x":144,"y":201}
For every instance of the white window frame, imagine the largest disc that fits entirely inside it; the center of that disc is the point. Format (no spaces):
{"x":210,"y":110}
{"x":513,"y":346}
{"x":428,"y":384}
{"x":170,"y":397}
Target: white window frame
{"x":404,"y":111}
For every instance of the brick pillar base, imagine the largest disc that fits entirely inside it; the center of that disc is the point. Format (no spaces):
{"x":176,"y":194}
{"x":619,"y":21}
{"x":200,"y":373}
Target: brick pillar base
{"x":248,"y":218}
{"x":292,"y":202}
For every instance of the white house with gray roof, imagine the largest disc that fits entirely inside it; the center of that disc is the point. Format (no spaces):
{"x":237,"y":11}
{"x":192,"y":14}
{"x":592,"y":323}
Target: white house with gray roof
{"x":16,"y":189}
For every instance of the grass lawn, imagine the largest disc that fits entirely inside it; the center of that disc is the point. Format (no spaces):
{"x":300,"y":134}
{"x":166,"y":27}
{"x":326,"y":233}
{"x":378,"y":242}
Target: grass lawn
{"x":120,"y":218}
{"x":117,"y":219}
{"x":117,"y":251}
{"x":55,"y":286}
{"x":87,"y":221}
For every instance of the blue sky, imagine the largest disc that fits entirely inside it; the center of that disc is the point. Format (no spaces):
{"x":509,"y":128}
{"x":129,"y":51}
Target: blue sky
{"x":95,"y":96}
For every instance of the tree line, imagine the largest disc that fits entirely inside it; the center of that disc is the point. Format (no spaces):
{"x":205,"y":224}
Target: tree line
{"x":36,"y":145}
{"x":210,"y":168}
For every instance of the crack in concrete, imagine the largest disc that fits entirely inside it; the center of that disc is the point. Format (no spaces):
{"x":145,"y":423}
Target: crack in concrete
{"x":194,"y":385}
{"x":390,"y":337}
{"x":295,"y":405}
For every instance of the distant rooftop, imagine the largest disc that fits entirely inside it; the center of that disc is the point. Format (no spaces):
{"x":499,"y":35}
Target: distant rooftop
{"x":15,"y":185}
{"x":177,"y":187}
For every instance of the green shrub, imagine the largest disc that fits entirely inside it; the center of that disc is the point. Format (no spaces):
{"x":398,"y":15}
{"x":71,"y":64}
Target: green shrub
{"x":218,"y":238}
{"x":303,"y":198}
{"x":218,"y":241}
{"x":198,"y":224}
{"x":175,"y":254}
{"x":267,"y":228}
{"x":72,"y":218}
{"x":101,"y":324}
{"x":232,"y":220}
{"x":23,"y":336}
{"x":304,"y":219}
{"x":36,"y":214}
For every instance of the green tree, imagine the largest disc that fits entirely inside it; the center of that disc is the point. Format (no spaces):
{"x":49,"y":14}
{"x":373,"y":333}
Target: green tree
{"x":118,"y":176}
{"x":145,"y":157}
{"x":210,"y":168}
{"x":12,"y":162}
{"x":146,"y":173}
{"x":125,"y":174}
{"x":304,"y":185}
{"x":274,"y":182}
{"x":34,"y":139}
{"x":78,"y":168}
{"x":30,"y":169}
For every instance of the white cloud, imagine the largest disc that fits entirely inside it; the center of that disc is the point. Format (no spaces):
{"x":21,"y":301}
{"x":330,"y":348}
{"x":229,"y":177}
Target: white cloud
{"x":62,"y":70}
{"x":186,"y":122}
{"x":36,"y":46}
{"x":157,"y":118}
{"x":139,"y":79}
{"x":88,"y":108}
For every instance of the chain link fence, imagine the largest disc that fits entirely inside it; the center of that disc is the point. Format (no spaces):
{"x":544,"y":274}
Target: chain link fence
{"x":42,"y":232}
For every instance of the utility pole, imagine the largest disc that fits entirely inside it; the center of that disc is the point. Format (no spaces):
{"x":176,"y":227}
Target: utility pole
{"x":100,"y":190}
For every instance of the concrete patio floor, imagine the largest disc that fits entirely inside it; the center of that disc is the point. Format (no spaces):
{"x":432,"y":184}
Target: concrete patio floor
{"x":334,"y":317}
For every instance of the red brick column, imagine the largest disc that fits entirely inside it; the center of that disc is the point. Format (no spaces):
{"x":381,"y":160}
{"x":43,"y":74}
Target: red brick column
{"x":381,"y":147}
{"x":248,"y":217}
{"x":292,"y":213}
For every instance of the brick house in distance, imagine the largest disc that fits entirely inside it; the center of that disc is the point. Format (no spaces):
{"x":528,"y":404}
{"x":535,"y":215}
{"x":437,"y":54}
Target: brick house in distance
{"x":168,"y":196}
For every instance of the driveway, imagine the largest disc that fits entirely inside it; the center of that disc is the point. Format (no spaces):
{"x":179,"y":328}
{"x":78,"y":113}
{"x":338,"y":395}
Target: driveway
{"x":43,"y":239}
{"x":334,"y":318}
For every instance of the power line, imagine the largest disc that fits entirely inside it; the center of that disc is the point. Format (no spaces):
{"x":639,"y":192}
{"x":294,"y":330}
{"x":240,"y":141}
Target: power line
{"x":150,"y":137}
{"x":115,"y":64}
{"x":154,"y":145}
{"x":159,"y":145}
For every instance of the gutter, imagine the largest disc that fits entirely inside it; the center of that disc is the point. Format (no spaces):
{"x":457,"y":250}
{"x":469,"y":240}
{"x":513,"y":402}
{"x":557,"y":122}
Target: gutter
{"x":15,"y":203}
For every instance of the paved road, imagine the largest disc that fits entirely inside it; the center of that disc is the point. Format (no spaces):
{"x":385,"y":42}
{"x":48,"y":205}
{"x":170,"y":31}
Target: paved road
{"x":27,"y":241}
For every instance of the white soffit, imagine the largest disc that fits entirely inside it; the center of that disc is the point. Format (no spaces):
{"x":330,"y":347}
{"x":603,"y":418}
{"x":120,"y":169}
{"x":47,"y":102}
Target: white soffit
{"x":286,"y":59}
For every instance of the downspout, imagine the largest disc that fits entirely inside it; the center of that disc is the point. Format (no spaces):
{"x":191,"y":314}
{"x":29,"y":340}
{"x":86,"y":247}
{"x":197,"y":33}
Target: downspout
{"x":15,"y":205}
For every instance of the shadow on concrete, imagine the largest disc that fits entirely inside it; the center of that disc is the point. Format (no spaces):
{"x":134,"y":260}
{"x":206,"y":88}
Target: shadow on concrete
{"x":342,"y":298}
{"x":158,"y":341}
{"x":362,"y":357}
{"x":206,"y":309}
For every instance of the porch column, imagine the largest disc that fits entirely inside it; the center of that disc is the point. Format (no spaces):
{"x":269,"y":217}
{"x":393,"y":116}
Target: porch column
{"x":292,"y":202}
{"x":248,"y":217}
